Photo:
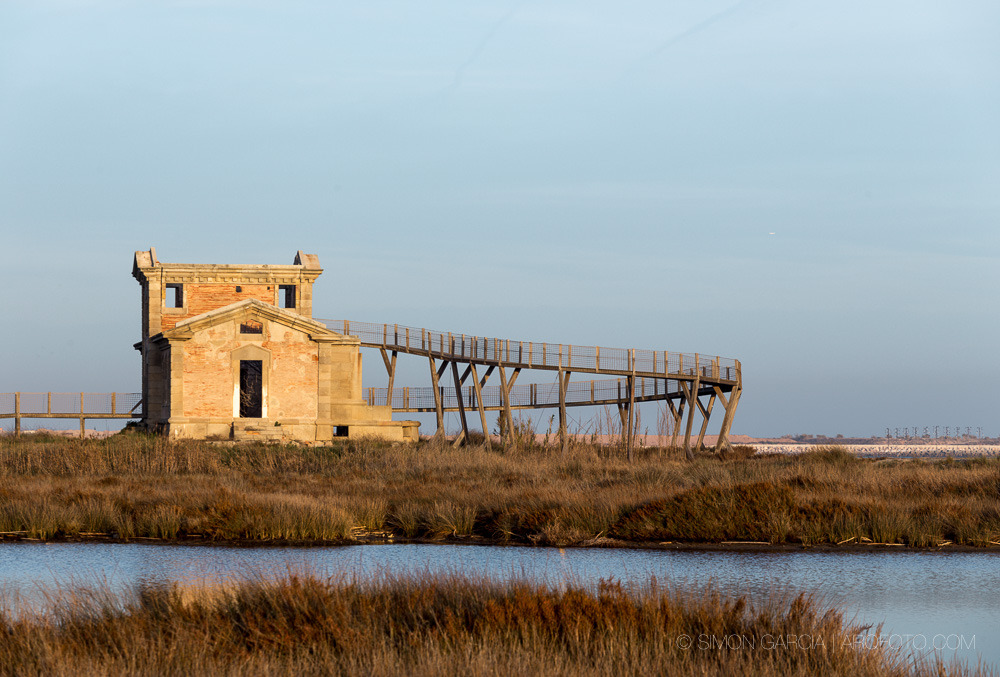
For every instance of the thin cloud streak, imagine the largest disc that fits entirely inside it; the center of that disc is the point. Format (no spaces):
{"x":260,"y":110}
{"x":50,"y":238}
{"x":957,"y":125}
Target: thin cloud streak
{"x":684,"y":35}
{"x":460,"y":71}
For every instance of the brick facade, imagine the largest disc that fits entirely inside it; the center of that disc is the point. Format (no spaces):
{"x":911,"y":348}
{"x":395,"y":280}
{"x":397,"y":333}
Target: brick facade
{"x":310,"y":388}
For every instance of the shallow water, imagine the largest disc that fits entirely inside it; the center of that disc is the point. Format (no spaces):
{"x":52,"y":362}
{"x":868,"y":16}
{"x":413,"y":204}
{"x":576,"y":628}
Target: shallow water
{"x":923,"y":599}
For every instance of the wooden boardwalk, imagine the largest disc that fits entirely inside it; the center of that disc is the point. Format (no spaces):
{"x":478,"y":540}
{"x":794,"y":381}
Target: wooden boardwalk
{"x":682,"y":380}
{"x":689,"y":383}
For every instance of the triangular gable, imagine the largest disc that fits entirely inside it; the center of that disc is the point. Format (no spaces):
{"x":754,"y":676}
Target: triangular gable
{"x":251,"y":309}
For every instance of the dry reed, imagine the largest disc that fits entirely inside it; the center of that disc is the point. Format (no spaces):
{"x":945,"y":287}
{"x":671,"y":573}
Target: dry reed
{"x":139,"y":486}
{"x":440,"y":626}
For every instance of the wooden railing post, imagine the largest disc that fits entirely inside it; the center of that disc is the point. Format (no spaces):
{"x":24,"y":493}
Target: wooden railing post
{"x":17,"y":414}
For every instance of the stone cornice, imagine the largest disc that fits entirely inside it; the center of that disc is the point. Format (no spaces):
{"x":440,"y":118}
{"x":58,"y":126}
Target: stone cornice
{"x":146,"y":265}
{"x":184,"y":274}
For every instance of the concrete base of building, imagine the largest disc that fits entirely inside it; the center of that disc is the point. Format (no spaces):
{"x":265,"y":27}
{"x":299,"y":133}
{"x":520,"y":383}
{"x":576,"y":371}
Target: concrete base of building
{"x":287,"y":430}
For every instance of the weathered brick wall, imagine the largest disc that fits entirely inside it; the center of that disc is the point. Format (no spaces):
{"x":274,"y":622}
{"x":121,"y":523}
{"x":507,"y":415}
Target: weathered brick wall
{"x":208,"y":372}
{"x":210,"y":375}
{"x":294,"y":380}
{"x":203,"y":297}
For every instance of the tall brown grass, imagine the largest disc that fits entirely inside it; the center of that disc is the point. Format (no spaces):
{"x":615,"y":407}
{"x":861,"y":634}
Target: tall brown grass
{"x":439,"y":626}
{"x":132,"y":486}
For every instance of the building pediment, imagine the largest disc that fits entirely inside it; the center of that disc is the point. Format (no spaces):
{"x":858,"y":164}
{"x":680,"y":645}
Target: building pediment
{"x":251,"y":311}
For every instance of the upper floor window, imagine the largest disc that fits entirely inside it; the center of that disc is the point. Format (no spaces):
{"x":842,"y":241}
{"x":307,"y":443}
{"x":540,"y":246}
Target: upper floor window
{"x":286,"y":295}
{"x":175,"y":295}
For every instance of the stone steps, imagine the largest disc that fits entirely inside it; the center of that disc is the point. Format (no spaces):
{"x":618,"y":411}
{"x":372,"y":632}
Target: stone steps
{"x":257,"y":430}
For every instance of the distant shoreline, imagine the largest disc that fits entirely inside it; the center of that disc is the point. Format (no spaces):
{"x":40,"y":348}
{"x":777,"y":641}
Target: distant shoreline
{"x":890,"y":450}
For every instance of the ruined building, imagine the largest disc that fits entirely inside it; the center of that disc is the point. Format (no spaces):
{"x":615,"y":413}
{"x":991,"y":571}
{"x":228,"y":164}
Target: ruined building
{"x":232,"y":352}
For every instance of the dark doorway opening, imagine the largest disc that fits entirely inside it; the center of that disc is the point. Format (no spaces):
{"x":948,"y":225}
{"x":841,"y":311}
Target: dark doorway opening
{"x":251,"y":388}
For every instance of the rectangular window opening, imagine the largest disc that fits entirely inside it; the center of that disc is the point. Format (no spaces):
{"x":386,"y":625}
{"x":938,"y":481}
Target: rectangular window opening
{"x":340,"y":431}
{"x":286,"y":295}
{"x":175,"y":296}
{"x":251,"y":388}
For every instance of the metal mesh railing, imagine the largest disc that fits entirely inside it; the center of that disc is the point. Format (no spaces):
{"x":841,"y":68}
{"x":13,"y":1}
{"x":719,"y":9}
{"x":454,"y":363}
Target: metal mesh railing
{"x":534,"y":355}
{"x":6,"y":404}
{"x":532,"y":395}
{"x":69,"y":404}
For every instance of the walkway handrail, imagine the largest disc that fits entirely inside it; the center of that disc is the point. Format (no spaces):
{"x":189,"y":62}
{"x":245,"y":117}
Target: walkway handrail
{"x":528,"y":396}
{"x":80,"y":406}
{"x":533,"y":355}
{"x":70,"y":405}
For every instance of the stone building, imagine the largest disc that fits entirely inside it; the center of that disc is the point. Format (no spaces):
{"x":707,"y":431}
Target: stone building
{"x":232,"y":352}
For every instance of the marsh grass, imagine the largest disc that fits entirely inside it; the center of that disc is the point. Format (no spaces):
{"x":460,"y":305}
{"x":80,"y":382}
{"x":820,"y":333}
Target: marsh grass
{"x":438,"y":626}
{"x":138,"y":486}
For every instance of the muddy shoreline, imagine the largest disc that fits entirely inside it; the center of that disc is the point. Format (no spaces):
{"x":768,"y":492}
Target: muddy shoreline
{"x":385,"y":538}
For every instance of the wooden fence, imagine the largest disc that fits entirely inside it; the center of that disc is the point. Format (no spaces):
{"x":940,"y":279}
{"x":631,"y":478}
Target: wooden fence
{"x":82,"y":406}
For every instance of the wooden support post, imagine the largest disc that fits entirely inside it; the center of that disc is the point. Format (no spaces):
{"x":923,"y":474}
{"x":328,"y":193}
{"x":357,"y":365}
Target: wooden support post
{"x":392,"y":378}
{"x":727,"y":420}
{"x":508,"y":421}
{"x":677,"y":412}
{"x":621,"y":408}
{"x":707,"y":413}
{"x":486,"y":376}
{"x":479,"y":403}
{"x":113,"y":403}
{"x":630,"y":441}
{"x":83,"y":423}
{"x":17,"y":414}
{"x":461,"y":403}
{"x":630,"y":438}
{"x":390,"y":367}
{"x":692,"y":394}
{"x":438,"y":406}
{"x":563,"y":433}
{"x":623,"y":413}
{"x":48,"y":403}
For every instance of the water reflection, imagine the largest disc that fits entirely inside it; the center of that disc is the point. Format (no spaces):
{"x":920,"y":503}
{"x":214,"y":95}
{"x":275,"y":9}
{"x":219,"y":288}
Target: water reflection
{"x":924,"y":594}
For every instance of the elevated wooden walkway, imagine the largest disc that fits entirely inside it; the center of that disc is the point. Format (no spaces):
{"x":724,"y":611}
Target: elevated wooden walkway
{"x":679,"y":379}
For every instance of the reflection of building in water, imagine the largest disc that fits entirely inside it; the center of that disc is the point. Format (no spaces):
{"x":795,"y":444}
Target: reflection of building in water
{"x":231,"y":351}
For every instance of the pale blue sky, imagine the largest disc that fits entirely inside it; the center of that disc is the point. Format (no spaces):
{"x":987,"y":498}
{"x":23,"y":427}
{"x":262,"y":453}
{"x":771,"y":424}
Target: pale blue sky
{"x":584,"y":172}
